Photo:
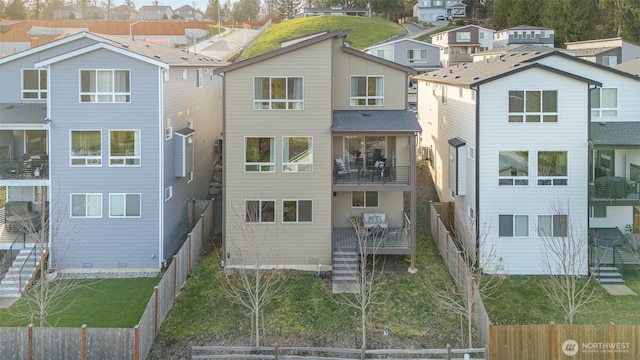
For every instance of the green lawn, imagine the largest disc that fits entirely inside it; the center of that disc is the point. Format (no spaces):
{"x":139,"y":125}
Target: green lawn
{"x":366,"y":32}
{"x":116,"y":303}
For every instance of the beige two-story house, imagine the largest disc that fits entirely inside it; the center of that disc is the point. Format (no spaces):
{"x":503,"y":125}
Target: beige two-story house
{"x":316,"y":133}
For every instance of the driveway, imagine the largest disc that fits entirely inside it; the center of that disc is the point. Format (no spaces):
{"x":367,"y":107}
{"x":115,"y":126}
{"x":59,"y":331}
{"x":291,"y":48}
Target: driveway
{"x":220,"y":47}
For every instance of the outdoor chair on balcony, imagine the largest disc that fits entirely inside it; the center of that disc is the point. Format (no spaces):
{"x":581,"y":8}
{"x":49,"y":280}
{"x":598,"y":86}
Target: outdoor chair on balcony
{"x":341,"y":169}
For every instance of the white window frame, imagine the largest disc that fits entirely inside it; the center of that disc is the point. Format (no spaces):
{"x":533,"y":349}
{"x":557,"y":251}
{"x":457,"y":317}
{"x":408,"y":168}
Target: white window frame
{"x":366,"y":203}
{"x":413,"y":59}
{"x":98,"y":96}
{"x":553,"y":180}
{"x":603,"y":111}
{"x":367,"y":100}
{"x":125,"y":197}
{"x":168,"y":133}
{"x":514,"y":228}
{"x":89,"y":160}
{"x":297,"y":221}
{"x":289,"y":166}
{"x":553,"y":232}
{"x":168,"y":193}
{"x":259,"y":220}
{"x":610,"y":60}
{"x":134,"y":160}
{"x":270,"y":165}
{"x":41,"y":94}
{"x":465,"y":38}
{"x":267,"y":102}
{"x":199,"y":78}
{"x":86,"y":195}
{"x":543,"y":116}
{"x":514,"y":180}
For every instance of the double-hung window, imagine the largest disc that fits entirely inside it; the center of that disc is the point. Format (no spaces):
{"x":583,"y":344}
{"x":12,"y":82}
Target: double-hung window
{"x":86,"y":148}
{"x":364,"y":199}
{"x":604,"y":102}
{"x":259,"y":154}
{"x":417,"y":56}
{"x":86,"y":205}
{"x":124,"y":205}
{"x":105,"y":86}
{"x":514,"y":168}
{"x":297,"y":154}
{"x":552,"y":226}
{"x":34,"y":84}
{"x":552,"y":168}
{"x":367,"y":90}
{"x":297,"y":211}
{"x":124,"y":147}
{"x":278,"y":93}
{"x":260,"y":211}
{"x":533,"y":106}
{"x":513,"y":225}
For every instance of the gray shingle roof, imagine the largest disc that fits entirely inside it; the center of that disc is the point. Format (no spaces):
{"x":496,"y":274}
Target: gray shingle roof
{"x":375,"y":120}
{"x":615,"y":133}
{"x":23,"y":113}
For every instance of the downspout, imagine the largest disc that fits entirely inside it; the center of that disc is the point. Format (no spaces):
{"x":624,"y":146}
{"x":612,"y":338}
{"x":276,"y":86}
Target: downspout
{"x":589,"y":155}
{"x":161,"y":204}
{"x":477,"y":170}
{"x":224,"y":172}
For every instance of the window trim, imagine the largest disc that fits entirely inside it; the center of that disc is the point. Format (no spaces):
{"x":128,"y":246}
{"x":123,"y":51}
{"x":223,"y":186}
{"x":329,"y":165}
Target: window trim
{"x":86,"y":158}
{"x":86,"y":195}
{"x":353,"y":100}
{"x":199,"y":78}
{"x":271,"y":164}
{"x":260,"y":220}
{"x":562,"y":180}
{"x":366,"y":203}
{"x":513,"y":226}
{"x":289,"y":104}
{"x":125,"y":216}
{"x":412,"y":59}
{"x":287,"y":165}
{"x":297,"y":201}
{"x":524,"y":113}
{"x":596,"y":112}
{"x":111,"y":93}
{"x":566,"y":230}
{"x":126,"y":157}
{"x":514,"y":180}
{"x":39,"y":91}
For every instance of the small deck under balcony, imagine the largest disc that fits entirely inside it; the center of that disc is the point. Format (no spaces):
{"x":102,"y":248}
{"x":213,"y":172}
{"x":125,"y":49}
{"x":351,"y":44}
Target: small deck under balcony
{"x":389,"y":241}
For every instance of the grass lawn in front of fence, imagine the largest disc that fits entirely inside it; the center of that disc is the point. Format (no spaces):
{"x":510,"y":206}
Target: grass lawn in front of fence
{"x":523,"y":301}
{"x":113,"y":303}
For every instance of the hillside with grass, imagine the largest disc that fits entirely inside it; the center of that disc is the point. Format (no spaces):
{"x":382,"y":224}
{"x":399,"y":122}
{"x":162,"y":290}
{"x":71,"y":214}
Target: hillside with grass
{"x":365,"y":32}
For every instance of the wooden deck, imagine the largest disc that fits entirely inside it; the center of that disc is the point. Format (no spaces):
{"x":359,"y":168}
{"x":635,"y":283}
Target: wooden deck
{"x":7,"y":238}
{"x":390,"y":241}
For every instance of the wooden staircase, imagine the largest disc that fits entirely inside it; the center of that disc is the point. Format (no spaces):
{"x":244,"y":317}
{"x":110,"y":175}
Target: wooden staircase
{"x":345,"y":270}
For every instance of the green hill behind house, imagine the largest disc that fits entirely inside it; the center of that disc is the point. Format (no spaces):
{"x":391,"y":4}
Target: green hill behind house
{"x":366,"y":32}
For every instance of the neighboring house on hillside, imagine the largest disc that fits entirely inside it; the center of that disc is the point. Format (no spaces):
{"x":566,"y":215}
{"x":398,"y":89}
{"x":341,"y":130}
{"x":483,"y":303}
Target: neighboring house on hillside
{"x":608,"y":52}
{"x":335,"y":10}
{"x":523,"y":34}
{"x":433,"y":10}
{"x":529,"y":144}
{"x":419,"y":55}
{"x":516,"y":49}
{"x":316,"y":133}
{"x":94,"y":13}
{"x":459,"y":44}
{"x":188,"y":12}
{"x":67,"y":12}
{"x":156,"y":12}
{"x":106,"y":131}
{"x":124,"y":12}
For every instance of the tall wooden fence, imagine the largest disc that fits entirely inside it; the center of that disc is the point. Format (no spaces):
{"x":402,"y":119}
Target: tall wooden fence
{"x":114,"y":343}
{"x":440,"y":214}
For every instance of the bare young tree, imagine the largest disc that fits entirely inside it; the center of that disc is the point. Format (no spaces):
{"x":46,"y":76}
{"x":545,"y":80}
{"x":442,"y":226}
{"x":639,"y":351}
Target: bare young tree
{"x":476,"y":274}
{"x":253,"y":281}
{"x":564,"y":258}
{"x":370,"y":274}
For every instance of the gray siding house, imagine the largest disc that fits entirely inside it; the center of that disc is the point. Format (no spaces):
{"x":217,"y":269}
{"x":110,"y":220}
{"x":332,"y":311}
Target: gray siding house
{"x":419,"y":55}
{"x":106,"y":131}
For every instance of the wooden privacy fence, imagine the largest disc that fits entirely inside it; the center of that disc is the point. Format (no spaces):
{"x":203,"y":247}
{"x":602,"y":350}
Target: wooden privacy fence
{"x":560,"y":342}
{"x":87,"y":343}
{"x":321,"y":353}
{"x":468,"y":288}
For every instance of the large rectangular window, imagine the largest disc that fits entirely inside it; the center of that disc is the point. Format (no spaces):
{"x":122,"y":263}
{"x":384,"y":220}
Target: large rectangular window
{"x":86,"y":205}
{"x":417,"y":56}
{"x":297,"y":154}
{"x":124,"y":147}
{"x":367,"y":90}
{"x":552,"y":168}
{"x":533,"y":106}
{"x":514,"y":168}
{"x":552,"y":226}
{"x":278,"y":93}
{"x":260,"y":211}
{"x":297,"y":211}
{"x":34,"y":84}
{"x":463,"y":36}
{"x":105,"y":86}
{"x":513,"y":226}
{"x":364,"y":199}
{"x":259,"y":154}
{"x":124,"y":205}
{"x":86,"y":148}
{"x":604,"y":102}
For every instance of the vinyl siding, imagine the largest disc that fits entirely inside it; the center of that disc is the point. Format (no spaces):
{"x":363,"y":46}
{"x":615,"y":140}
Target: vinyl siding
{"x":524,"y":255}
{"x":389,"y":202}
{"x":105,"y":243}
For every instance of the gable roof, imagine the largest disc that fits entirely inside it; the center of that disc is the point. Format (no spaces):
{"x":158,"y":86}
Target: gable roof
{"x":595,"y":42}
{"x":50,"y":45}
{"x":375,"y":120}
{"x":418,"y":42}
{"x":525,"y":27}
{"x":462,"y":28}
{"x":314,"y":40}
{"x":631,"y":67}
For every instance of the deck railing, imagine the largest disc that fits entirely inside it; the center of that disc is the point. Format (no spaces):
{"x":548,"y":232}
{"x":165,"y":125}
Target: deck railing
{"x":371,"y":175}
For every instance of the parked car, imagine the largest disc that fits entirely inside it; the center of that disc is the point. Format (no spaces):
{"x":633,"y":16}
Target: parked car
{"x":440,"y":18}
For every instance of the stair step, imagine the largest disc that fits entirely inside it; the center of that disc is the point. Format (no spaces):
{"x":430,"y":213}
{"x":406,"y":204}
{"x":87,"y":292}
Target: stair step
{"x":611,"y":281}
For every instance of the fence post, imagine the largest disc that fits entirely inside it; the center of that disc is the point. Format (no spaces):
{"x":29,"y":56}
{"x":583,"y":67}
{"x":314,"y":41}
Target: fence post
{"x":202,"y":231}
{"x":30,"y":342}
{"x":612,"y":339}
{"x":363,"y":352}
{"x":83,"y":342}
{"x":486,"y":349}
{"x":448,"y":352}
{"x":189,"y":252}
{"x":175,"y":275}
{"x":553,"y":355}
{"x":155,"y":310}
{"x":136,"y":342}
{"x":491,"y":345}
{"x":275,"y":352}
